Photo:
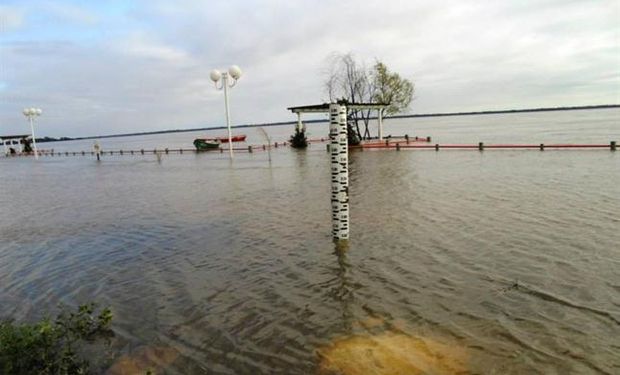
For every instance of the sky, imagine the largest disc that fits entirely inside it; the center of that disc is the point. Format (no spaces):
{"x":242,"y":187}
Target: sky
{"x":109,"y":67}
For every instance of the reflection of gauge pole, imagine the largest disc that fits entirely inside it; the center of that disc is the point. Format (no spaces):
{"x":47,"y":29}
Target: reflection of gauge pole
{"x":344,"y":290}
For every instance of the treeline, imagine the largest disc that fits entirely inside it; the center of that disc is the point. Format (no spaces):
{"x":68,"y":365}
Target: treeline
{"x":604,"y":106}
{"x":52,"y":139}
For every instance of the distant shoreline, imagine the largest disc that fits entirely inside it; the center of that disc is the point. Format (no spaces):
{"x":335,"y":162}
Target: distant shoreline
{"x":505,"y":111}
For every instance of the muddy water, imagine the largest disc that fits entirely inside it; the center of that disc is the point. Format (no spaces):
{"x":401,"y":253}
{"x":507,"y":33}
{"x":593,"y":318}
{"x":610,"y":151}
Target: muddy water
{"x":498,"y":262}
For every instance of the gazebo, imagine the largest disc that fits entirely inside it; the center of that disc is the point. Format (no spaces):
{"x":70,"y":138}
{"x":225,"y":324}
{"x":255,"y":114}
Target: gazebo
{"x":13,"y":140}
{"x":324,"y":108}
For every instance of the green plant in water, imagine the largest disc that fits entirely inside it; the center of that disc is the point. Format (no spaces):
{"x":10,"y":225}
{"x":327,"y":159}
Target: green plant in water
{"x":51,"y":346}
{"x":299,"y":140}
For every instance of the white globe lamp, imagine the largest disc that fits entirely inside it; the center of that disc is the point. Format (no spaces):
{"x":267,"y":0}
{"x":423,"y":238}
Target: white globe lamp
{"x":215,"y":75}
{"x":235,"y":72}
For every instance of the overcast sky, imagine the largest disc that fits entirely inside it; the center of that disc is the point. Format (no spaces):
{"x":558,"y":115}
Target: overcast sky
{"x":104,"y":67}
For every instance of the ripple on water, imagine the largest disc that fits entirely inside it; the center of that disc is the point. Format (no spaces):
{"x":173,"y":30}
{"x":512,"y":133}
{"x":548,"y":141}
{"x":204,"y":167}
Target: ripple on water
{"x":232,"y":265}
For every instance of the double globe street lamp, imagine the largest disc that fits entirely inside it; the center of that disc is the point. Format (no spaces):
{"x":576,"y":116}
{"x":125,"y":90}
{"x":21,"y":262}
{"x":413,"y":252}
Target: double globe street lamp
{"x":234,"y":73}
{"x":31,"y":113}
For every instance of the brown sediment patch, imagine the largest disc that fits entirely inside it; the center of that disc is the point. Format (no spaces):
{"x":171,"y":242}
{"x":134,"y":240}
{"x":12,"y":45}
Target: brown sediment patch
{"x":369,"y":323}
{"x":390,"y":353}
{"x":146,"y":358}
{"x":400,"y":325}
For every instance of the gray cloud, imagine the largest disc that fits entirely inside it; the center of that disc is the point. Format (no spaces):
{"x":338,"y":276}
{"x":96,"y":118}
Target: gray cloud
{"x":147,"y":68}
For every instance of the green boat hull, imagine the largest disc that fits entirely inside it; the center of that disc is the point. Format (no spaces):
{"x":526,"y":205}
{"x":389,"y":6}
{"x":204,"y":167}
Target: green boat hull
{"x":206,"y":145}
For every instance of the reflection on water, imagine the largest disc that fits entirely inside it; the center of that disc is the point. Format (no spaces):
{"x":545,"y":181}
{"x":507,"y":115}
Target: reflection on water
{"x":343,"y":290}
{"x":510,"y":255}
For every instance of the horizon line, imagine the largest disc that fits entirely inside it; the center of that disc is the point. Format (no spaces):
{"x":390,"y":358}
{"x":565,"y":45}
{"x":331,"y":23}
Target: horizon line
{"x":282,"y":123}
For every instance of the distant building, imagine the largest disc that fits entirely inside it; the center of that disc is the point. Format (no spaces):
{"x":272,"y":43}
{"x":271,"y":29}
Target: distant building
{"x":15,"y":144}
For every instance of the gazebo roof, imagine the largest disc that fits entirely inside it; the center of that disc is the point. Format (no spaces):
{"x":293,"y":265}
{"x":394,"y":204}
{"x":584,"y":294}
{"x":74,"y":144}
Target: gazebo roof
{"x":317,"y":108}
{"x":17,"y":136}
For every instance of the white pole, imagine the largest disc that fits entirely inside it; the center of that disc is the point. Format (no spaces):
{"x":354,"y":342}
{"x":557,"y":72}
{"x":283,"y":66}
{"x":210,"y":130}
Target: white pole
{"x":225,"y":81}
{"x":380,"y":124}
{"x":299,"y":121}
{"x":34,"y":142}
{"x":340,"y":171}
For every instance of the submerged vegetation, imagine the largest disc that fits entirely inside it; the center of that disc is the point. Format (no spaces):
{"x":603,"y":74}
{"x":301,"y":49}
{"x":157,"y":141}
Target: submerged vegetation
{"x":299,"y":140}
{"x":52,"y":346}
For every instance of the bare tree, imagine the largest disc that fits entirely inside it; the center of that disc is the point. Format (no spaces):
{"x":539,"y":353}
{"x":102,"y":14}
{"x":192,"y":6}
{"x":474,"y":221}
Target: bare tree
{"x":350,"y":80}
{"x":347,"y":80}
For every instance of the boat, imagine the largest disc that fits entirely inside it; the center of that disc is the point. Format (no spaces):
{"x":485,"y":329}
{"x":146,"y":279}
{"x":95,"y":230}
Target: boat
{"x":234,"y":138}
{"x":206,"y":144}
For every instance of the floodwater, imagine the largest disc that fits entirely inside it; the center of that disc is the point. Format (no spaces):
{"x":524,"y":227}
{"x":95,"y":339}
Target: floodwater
{"x":494,"y":262}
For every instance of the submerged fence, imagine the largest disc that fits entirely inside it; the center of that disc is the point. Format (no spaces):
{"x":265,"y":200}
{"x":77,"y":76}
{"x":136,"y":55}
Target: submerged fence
{"x":394,"y":143}
{"x":481,"y":146}
{"x":153,"y":151}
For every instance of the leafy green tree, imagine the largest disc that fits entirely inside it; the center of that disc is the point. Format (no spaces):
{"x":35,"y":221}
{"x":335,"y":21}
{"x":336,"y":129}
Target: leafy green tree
{"x":391,"y":88}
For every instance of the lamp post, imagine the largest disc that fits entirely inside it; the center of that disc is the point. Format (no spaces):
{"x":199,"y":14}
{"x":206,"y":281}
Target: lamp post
{"x":233,"y":72}
{"x":31,"y":113}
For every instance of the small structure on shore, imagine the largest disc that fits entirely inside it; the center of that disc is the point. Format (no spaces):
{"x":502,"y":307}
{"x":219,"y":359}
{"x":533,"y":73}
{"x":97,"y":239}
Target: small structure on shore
{"x":323,"y":108}
{"x":15,"y":144}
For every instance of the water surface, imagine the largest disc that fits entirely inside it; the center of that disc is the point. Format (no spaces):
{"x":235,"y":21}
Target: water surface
{"x":511,"y":255}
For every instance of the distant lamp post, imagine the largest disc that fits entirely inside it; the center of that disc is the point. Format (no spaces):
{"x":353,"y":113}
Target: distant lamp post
{"x":233,"y":72}
{"x":31,"y":113}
